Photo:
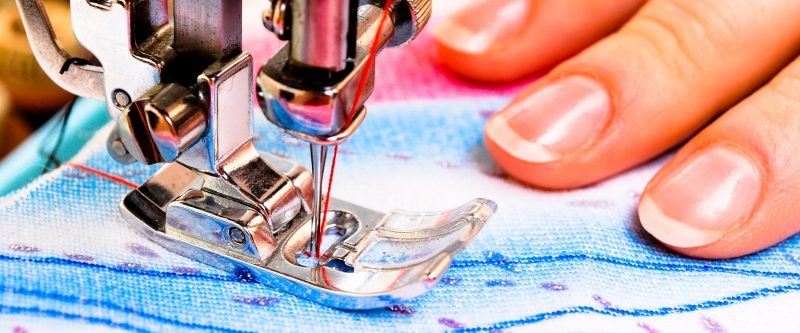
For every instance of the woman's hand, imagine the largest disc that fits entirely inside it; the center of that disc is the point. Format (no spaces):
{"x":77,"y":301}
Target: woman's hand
{"x":654,"y":74}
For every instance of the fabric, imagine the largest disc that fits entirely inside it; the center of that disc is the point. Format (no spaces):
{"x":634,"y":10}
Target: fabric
{"x":548,"y":261}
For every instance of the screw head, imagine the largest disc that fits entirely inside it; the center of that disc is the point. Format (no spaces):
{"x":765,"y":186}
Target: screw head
{"x":121,"y":99}
{"x":236,"y":236}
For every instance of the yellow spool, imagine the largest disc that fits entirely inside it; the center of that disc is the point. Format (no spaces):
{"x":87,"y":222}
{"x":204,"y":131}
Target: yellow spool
{"x":28,"y":85}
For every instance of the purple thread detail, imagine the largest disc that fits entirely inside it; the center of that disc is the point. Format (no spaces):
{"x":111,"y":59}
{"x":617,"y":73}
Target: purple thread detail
{"x":23,"y":248}
{"x":400,"y":156}
{"x":142,"y":250}
{"x":132,"y":265}
{"x":591,"y":203}
{"x":604,"y":302}
{"x":485,"y":114}
{"x":448,"y":164}
{"x":554,"y":286}
{"x":19,"y":329}
{"x":647,"y":328}
{"x":244,"y":275}
{"x":499,"y":260}
{"x":450,"y":280}
{"x":185,"y":270}
{"x":450,"y":323}
{"x":403,"y":310}
{"x":500,"y":283}
{"x":712,"y":326}
{"x":258,"y":301}
{"x":78,"y":257}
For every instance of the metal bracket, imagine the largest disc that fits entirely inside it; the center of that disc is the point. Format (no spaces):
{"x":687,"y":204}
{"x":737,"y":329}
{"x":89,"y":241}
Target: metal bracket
{"x":370,"y":259}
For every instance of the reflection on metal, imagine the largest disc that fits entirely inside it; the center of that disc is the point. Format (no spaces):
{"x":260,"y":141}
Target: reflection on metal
{"x":377,"y":260}
{"x":182,"y":93}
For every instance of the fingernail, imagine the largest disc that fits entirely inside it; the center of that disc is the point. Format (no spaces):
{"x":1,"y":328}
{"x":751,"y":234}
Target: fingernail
{"x":553,"y":121}
{"x":700,"y":201}
{"x":477,"y":28}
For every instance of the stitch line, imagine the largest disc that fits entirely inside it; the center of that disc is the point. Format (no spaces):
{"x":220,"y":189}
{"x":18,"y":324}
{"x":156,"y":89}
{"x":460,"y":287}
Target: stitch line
{"x":106,"y":305}
{"x":672,"y":267}
{"x":145,"y":272}
{"x":456,"y":264}
{"x":617,"y":312}
{"x":15,"y":310}
{"x":613,"y":312}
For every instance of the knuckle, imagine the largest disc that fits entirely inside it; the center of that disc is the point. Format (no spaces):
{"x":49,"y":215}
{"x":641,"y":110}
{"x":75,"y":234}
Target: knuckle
{"x":683,"y":34}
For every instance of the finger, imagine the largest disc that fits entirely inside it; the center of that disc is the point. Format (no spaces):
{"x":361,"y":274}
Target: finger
{"x":642,"y":90}
{"x":733,"y":190}
{"x":503,"y":40}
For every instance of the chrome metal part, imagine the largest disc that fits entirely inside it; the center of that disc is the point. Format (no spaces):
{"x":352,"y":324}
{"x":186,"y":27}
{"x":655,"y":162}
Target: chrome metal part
{"x":225,"y":89}
{"x":161,"y":124}
{"x":370,"y":259}
{"x":320,"y":110}
{"x":183,"y":93}
{"x":77,"y":78}
{"x":132,"y":40}
{"x":313,"y":87}
{"x":319,"y":33}
{"x":410,"y":17}
{"x":274,"y":18}
{"x":318,"y":156}
{"x":207,"y":32}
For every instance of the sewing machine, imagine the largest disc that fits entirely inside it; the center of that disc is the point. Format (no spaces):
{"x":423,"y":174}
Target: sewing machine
{"x":182,"y":92}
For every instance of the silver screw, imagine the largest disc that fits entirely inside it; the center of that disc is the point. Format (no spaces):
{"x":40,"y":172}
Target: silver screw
{"x":236,"y":235}
{"x":121,"y":99}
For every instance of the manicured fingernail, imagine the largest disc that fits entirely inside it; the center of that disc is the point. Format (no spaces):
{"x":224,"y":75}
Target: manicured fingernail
{"x":478,"y":27}
{"x":701,"y":200}
{"x":552,"y":121}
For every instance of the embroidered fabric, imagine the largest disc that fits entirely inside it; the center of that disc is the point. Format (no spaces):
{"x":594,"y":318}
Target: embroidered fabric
{"x":547,"y":261}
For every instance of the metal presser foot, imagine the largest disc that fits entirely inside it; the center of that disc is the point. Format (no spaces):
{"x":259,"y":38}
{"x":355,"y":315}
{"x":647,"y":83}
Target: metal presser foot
{"x":373,"y":259}
{"x":182,"y":93}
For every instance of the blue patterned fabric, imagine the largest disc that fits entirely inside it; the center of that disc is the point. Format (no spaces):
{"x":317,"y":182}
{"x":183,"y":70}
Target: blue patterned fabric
{"x":547,"y":261}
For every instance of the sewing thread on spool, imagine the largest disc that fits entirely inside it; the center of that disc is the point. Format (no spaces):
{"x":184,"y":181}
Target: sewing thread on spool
{"x":361,"y":85}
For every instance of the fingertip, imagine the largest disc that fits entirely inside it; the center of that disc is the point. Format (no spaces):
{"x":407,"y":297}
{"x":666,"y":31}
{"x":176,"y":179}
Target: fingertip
{"x":507,"y":40}
{"x":537,"y":138}
{"x":468,"y":41}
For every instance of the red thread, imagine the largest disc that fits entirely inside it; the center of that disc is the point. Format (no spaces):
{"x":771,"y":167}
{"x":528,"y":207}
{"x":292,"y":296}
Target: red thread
{"x":372,"y":53}
{"x":106,"y":175}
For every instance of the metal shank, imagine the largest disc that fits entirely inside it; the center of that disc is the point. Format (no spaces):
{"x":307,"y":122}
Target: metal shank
{"x":320,"y":109}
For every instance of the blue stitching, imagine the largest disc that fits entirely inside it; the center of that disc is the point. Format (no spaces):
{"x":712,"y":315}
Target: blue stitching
{"x":673,"y":267}
{"x":108,"y":305}
{"x":13,"y":310}
{"x":616,"y":312}
{"x":82,"y":264}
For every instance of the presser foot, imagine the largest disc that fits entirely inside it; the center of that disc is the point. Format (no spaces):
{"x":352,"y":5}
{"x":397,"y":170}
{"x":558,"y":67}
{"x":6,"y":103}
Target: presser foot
{"x":368,"y":259}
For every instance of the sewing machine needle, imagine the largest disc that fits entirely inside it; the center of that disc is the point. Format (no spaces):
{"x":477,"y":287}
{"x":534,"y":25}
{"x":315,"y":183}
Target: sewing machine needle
{"x":318,"y":155}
